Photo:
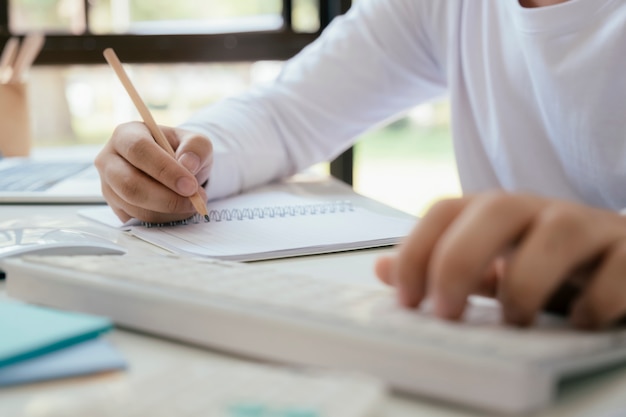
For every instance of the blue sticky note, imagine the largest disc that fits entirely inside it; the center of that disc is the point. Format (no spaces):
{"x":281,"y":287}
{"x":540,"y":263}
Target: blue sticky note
{"x":248,"y":409}
{"x":299,"y":412}
{"x":84,"y":358}
{"x":27,"y":331}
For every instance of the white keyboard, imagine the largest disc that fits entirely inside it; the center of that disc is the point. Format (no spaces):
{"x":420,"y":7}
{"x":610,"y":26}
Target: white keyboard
{"x":254,"y":310}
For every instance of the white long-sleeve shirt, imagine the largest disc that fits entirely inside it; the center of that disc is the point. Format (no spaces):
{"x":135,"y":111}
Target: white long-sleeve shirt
{"x":538,"y":96}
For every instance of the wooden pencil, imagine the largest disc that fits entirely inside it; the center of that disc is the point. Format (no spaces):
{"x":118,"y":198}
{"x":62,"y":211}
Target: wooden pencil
{"x":158,"y":135}
{"x":30,"y":48}
{"x":8,"y":58}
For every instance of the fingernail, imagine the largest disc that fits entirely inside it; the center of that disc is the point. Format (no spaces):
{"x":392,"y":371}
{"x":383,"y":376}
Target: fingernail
{"x":185,"y":186}
{"x":191,"y":161}
{"x":407,"y":299}
{"x":513,"y":315}
{"x":512,"y":312}
{"x":580,"y":317}
{"x":446,"y":307}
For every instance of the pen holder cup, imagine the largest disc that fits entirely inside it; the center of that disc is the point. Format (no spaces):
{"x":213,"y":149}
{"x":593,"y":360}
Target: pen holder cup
{"x":15,"y":134}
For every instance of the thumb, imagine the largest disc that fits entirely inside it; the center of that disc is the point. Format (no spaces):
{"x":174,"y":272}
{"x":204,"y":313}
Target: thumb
{"x":195,"y":152}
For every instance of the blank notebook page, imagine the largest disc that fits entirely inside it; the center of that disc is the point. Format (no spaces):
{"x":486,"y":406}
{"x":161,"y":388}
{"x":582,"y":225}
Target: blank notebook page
{"x":278,"y":224}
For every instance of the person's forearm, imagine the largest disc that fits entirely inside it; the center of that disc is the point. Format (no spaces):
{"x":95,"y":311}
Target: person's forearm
{"x":355,"y":76}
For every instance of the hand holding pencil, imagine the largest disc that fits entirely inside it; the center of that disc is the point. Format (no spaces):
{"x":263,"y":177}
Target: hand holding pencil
{"x":152,"y":172}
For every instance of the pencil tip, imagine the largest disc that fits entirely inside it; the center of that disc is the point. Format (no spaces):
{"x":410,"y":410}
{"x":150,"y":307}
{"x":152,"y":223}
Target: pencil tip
{"x":206,"y":217}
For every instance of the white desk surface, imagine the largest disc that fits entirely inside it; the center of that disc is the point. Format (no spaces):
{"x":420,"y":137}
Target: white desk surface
{"x":603,"y":395}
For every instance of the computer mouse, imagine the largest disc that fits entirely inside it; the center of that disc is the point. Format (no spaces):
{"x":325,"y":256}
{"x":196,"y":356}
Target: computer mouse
{"x":52,"y":241}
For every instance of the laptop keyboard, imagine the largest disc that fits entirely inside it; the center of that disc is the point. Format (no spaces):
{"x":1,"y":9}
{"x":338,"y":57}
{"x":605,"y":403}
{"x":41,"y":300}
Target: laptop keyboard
{"x":38,"y":175}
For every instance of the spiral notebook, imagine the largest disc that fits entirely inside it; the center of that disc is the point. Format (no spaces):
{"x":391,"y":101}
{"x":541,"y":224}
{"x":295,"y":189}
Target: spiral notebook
{"x":269,"y":224}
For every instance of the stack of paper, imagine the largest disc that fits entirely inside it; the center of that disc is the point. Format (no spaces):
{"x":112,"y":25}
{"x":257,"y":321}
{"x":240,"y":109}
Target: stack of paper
{"x":39,"y":344}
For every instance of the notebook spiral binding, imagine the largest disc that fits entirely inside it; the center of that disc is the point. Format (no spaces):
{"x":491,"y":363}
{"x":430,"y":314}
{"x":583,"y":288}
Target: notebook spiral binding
{"x":270,"y":212}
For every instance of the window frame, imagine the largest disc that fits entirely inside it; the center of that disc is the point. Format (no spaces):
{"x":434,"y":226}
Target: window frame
{"x":280,"y":45}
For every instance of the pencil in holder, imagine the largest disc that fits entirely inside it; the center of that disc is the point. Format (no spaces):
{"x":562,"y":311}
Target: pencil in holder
{"x":15,"y":130}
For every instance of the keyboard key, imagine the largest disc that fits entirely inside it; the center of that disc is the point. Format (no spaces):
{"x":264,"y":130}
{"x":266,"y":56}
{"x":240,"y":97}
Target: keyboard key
{"x":37,"y":175}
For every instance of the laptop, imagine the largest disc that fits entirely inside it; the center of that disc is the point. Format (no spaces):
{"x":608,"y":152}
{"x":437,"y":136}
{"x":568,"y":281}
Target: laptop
{"x":56,"y":177}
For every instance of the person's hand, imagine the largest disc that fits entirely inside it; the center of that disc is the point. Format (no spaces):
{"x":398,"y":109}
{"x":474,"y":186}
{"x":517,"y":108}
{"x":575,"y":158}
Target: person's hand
{"x":517,"y":248}
{"x":141,"y":180}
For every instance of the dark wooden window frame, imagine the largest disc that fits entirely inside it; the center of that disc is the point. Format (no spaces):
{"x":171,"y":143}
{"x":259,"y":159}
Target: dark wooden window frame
{"x":62,"y":49}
